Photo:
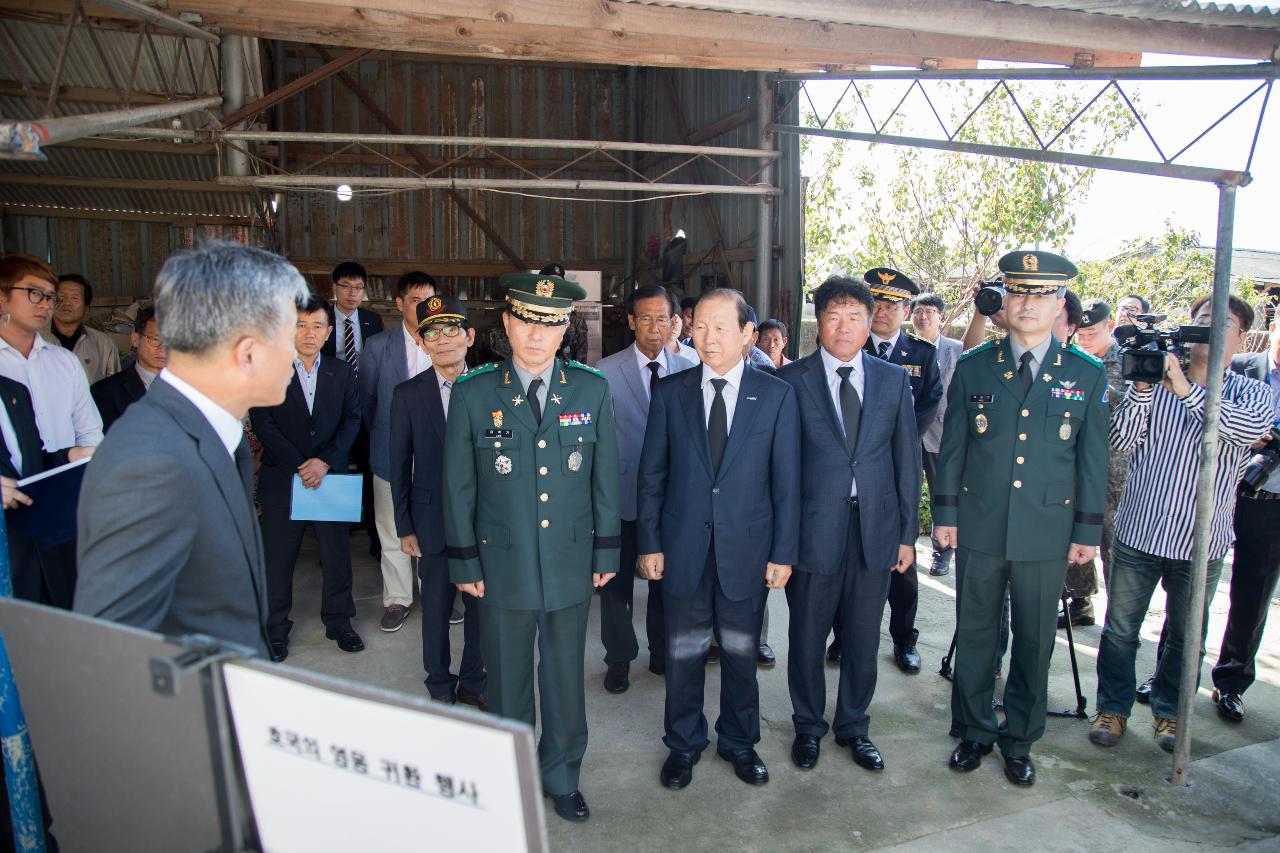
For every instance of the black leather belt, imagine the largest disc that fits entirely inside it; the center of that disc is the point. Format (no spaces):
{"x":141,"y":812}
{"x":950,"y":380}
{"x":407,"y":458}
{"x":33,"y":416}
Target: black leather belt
{"x":1261,"y":496}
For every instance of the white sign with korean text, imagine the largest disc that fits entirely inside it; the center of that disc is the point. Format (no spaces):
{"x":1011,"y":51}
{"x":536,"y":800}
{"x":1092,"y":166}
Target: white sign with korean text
{"x":329,"y":771}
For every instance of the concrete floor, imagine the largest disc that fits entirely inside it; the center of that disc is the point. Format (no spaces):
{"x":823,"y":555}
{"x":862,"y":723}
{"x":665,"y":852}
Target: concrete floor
{"x":1085,"y":798}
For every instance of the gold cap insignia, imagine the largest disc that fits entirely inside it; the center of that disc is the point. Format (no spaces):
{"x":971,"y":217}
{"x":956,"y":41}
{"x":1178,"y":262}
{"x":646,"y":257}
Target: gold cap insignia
{"x":1030,"y":263}
{"x":886,"y":277}
{"x":433,"y":304}
{"x":545,"y":288}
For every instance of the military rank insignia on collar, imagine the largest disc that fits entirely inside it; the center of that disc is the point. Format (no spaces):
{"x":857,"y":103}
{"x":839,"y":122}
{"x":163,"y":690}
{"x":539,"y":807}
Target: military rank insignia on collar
{"x":575,"y":419}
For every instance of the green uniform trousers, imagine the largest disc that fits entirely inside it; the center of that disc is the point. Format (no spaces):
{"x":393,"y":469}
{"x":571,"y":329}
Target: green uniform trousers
{"x":507,"y":638}
{"x":1035,"y":590}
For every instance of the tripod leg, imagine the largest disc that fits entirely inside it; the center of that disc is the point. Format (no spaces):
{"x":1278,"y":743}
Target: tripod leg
{"x":1071,"y":652}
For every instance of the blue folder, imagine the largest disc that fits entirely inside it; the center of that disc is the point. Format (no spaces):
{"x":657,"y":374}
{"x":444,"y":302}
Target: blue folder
{"x":51,"y":518}
{"x":337,"y":499}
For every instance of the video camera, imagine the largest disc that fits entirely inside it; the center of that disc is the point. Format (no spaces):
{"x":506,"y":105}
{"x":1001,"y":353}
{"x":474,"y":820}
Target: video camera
{"x":990,"y":298}
{"x":1263,"y":464}
{"x":1143,"y":347}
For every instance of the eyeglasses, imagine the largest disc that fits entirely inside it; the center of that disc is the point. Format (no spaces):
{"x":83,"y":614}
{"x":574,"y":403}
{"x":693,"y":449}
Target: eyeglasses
{"x":153,"y":340}
{"x":432,"y":333}
{"x":36,"y":295}
{"x":356,"y":287}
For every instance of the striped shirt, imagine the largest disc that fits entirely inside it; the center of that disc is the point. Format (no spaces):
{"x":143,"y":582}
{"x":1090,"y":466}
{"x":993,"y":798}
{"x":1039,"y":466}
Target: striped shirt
{"x":1156,"y":514}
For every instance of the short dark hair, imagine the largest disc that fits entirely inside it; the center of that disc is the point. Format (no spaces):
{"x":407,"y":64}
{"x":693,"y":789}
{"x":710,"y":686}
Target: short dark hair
{"x":744,"y":310}
{"x":752,"y":316}
{"x":1075,"y":311}
{"x":1237,"y":306}
{"x":931,"y":299}
{"x":410,"y":280}
{"x":349,"y":269}
{"x":689,"y":302}
{"x":647,"y":291}
{"x":1142,"y":300}
{"x":312,"y":305}
{"x":83,"y":282}
{"x":842,"y":288}
{"x":145,"y":316}
{"x":774,"y":324}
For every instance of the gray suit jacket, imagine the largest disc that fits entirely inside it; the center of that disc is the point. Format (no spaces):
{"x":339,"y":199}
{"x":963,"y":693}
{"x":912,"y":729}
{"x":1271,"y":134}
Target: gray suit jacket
{"x":949,"y":350}
{"x":631,"y":411}
{"x":382,"y":368}
{"x":167,"y":537}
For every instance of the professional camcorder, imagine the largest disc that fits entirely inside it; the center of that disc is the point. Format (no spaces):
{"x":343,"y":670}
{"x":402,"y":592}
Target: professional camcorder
{"x":1260,"y":468}
{"x":990,"y":298}
{"x":1143,"y":347}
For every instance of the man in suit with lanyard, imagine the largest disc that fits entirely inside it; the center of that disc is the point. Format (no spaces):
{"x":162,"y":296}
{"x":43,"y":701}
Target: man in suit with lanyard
{"x":860,"y":481}
{"x":632,"y":375}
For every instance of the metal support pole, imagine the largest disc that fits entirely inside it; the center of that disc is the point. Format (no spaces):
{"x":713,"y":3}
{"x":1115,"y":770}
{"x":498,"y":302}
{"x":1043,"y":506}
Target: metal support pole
{"x":233,"y":73}
{"x":357,"y":182}
{"x":629,"y":215}
{"x":25,"y":138}
{"x":759,"y":294}
{"x":1191,"y":643}
{"x":160,"y":19}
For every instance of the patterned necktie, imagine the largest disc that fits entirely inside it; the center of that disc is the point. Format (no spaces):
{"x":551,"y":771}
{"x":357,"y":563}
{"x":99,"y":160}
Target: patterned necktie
{"x":534,"y":405}
{"x":718,"y":425}
{"x":850,"y":406}
{"x":653,"y":377}
{"x":352,"y":358}
{"x":883,"y":350}
{"x":1025,"y":374}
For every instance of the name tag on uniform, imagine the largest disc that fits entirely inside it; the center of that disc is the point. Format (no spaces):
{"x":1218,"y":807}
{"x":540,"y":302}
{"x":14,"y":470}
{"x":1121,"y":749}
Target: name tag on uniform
{"x":1066,"y":394}
{"x":981,"y":398}
{"x":497,"y":433}
{"x":575,"y":419}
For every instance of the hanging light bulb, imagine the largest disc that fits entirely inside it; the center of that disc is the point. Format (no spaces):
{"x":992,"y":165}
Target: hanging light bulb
{"x":344,"y":192}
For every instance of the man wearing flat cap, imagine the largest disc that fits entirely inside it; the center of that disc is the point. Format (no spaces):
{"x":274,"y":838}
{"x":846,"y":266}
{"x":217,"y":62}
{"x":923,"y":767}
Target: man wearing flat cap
{"x":1021,"y":478}
{"x":531,"y":519}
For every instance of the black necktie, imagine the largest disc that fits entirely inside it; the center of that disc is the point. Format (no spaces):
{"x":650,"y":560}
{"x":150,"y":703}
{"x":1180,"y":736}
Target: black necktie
{"x":850,"y":406}
{"x":718,"y":425}
{"x":653,"y":377}
{"x":883,"y":350}
{"x":534,"y":405}
{"x":1025,"y":374}
{"x":244,"y":463}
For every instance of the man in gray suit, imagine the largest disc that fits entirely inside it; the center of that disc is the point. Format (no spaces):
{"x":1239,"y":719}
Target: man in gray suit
{"x":167,"y":535}
{"x":927,"y":313}
{"x":632,"y":373}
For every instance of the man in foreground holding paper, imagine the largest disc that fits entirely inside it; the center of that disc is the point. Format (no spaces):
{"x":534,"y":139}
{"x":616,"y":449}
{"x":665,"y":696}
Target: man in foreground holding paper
{"x":168,"y":540}
{"x":303,"y":439}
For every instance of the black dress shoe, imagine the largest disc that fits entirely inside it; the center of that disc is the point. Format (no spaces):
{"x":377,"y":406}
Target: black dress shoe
{"x":1143,"y":693}
{"x":657,"y":667}
{"x":1230,"y":705}
{"x":833,"y":653}
{"x":805,"y":750}
{"x":1019,"y":770}
{"x":279,"y":650}
{"x":617,"y":677}
{"x":571,"y":807}
{"x":968,"y":755}
{"x":765,"y":658}
{"x":346,"y":637}
{"x":908,"y":658}
{"x":747,"y":766}
{"x":713,"y":654}
{"x":475,"y":700}
{"x":677,"y":770}
{"x":865,"y":754}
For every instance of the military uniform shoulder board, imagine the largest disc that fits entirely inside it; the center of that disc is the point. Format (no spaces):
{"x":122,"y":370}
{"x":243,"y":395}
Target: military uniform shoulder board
{"x":1089,"y":357}
{"x":985,"y":345}
{"x":918,"y":339}
{"x":476,"y":371}
{"x":580,"y":366}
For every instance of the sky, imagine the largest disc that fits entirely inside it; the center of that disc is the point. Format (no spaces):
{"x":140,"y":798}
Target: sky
{"x":1122,"y":207}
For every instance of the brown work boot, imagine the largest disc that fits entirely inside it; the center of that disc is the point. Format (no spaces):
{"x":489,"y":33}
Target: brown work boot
{"x":1107,"y":729}
{"x":1166,"y":732}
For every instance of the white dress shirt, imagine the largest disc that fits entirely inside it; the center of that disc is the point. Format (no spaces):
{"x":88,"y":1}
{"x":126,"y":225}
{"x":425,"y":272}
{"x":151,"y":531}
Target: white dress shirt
{"x":415,"y":359}
{"x":340,"y":330}
{"x":876,"y":340}
{"x":228,"y":427}
{"x":307,"y":379}
{"x":730,"y":392}
{"x":65,"y":413}
{"x":11,"y":439}
{"x":830,"y":364}
{"x":643,"y":360}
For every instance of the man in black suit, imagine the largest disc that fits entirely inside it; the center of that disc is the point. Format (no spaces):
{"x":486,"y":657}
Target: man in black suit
{"x":718,"y":516}
{"x":353,"y":325}
{"x":121,"y":390}
{"x":167,"y":536}
{"x":308,"y":435}
{"x":860,"y":486}
{"x":419,"y":409}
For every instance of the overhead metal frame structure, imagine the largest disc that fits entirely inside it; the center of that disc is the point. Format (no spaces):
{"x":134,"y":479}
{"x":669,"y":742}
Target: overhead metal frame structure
{"x":1227,"y":181}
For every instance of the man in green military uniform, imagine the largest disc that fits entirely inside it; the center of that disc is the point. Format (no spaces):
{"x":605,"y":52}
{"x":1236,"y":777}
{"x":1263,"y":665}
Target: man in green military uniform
{"x":531,"y":519}
{"x":1021,"y":476}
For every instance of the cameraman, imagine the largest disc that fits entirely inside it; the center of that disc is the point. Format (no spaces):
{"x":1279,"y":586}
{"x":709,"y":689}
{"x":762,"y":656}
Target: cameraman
{"x":1155,"y":521}
{"x":1256,"y":564}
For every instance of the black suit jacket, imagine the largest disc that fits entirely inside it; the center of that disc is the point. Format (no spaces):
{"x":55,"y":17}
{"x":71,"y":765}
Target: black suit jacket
{"x":370,"y":325}
{"x":920,"y":358}
{"x":291,"y":435}
{"x":417,"y":460}
{"x":116,"y":393}
{"x":1252,"y":365}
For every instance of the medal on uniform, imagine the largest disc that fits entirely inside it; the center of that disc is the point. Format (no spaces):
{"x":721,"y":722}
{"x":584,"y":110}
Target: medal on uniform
{"x":502,"y":464}
{"x":980,"y":423}
{"x":1064,"y":431}
{"x":575,"y":461}
{"x":497,"y":418}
